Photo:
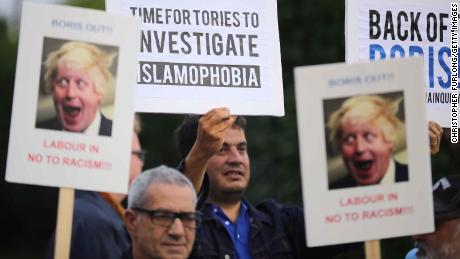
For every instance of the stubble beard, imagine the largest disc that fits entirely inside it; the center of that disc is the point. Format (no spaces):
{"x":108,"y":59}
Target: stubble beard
{"x":228,"y":196}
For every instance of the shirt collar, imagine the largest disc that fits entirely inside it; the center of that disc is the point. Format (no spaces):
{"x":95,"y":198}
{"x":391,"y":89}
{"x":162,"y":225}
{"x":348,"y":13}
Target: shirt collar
{"x":93,"y":129}
{"x":214,"y":209}
{"x":389,"y":176}
{"x":253,"y":212}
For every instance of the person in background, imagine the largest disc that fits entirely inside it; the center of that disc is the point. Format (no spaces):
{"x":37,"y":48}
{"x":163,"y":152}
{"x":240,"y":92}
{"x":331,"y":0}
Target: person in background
{"x":215,"y":157}
{"x":78,"y":75}
{"x":98,"y":231}
{"x":444,"y":242}
{"x":161,"y":216}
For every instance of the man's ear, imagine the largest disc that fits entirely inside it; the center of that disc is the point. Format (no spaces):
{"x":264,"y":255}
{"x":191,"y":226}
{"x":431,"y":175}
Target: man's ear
{"x":130,"y":222}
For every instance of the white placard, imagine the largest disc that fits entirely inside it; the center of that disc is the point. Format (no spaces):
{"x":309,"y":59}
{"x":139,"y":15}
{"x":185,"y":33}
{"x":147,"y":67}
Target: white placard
{"x":40,"y":152}
{"x":381,"y":29}
{"x":200,"y":54}
{"x":337,"y":209}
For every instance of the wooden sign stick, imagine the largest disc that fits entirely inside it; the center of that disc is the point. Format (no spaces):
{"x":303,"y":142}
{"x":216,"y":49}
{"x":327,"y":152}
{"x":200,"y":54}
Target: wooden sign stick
{"x":64,"y":223}
{"x":372,"y":248}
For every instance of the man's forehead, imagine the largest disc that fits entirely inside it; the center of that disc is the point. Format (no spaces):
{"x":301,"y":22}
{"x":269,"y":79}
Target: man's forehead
{"x":235,"y":136}
{"x":162,"y":193}
{"x":361,"y":126}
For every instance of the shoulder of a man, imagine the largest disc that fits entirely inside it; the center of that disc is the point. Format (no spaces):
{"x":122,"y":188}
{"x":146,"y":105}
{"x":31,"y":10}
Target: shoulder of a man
{"x":97,"y":229}
{"x":92,"y":211}
{"x":52,"y":123}
{"x":89,"y":206}
{"x":344,"y":182}
{"x":401,"y":172}
{"x":96,"y":232}
{"x":93,"y":239}
{"x":105,"y":128}
{"x":290,"y":218}
{"x":283,"y":218}
{"x":278,"y":211}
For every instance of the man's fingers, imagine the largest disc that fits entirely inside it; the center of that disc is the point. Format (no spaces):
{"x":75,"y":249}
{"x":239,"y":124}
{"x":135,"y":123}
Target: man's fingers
{"x":216,"y":120}
{"x":232,"y":120}
{"x":227,"y":123}
{"x":435,"y":139}
{"x":435,"y":128}
{"x":212,"y":127}
{"x":216,"y":116}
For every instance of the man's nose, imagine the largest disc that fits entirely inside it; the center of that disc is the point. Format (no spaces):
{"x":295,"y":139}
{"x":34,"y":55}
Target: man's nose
{"x":70,"y":91}
{"x":235,"y":156}
{"x":360,"y":144}
{"x":177,"y":228}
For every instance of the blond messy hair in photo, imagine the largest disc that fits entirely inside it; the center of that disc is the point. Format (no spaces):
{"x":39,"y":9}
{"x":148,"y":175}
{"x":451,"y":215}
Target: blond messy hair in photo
{"x":84,"y":56}
{"x":374,"y":109}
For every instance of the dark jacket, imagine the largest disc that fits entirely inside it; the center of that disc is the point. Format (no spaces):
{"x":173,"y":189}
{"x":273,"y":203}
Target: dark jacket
{"x":105,"y":128}
{"x":98,"y":231}
{"x":128,"y":254}
{"x":401,"y":175}
{"x":276,"y":231}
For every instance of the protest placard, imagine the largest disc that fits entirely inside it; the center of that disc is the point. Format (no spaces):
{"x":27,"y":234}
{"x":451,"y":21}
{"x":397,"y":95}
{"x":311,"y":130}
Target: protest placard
{"x":197,"y":55}
{"x":381,"y":29}
{"x":364,"y":150}
{"x":73,"y":99}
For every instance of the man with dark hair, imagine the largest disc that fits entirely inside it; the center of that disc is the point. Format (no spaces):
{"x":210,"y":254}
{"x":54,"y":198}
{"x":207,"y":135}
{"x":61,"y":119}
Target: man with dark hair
{"x":231,"y":227}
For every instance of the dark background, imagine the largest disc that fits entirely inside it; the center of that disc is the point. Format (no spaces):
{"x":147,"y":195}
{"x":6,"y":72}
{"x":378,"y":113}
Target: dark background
{"x":311,"y":32}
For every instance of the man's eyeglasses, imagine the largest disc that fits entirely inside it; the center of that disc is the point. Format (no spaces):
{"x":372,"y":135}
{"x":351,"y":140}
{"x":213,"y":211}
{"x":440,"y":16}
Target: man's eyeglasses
{"x":164,"y":218}
{"x":141,"y":154}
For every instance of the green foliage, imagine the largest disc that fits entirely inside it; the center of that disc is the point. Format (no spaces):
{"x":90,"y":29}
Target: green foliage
{"x":92,"y":4}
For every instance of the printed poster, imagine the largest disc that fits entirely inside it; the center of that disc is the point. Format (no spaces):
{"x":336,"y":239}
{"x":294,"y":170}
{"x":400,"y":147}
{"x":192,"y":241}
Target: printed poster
{"x":364,"y":150}
{"x":197,"y":55}
{"x":73,"y":99}
{"x":377,"y":30}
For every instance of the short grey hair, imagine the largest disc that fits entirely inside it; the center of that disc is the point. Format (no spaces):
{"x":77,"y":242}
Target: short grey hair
{"x":160,"y":174}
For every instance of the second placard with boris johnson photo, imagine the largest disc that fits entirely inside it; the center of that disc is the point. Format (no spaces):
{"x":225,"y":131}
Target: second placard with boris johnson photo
{"x":363,"y":138}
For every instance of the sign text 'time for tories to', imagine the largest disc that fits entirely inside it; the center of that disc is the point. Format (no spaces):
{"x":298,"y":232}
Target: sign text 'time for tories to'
{"x":198,"y":43}
{"x":204,"y":55}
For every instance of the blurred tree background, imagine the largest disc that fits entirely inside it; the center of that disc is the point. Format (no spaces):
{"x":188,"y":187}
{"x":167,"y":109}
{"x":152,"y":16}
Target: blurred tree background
{"x":311,"y":32}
